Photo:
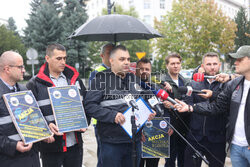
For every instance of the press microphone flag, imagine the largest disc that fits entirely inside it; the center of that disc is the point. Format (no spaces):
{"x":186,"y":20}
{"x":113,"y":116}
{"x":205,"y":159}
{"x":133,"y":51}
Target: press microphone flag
{"x":188,"y":90}
{"x":155,"y":80}
{"x":154,"y":103}
{"x":199,"y":77}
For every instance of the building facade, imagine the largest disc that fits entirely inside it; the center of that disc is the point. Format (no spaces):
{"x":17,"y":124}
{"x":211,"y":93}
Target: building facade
{"x":149,"y":10}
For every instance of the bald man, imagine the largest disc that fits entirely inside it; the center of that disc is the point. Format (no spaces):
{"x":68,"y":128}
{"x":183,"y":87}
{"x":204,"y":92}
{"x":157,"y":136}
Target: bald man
{"x":13,"y":152}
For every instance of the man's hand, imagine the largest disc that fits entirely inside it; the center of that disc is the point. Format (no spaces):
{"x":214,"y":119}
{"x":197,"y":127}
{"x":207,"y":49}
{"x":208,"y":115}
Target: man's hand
{"x":21,"y":147}
{"x":151,"y":116}
{"x":181,"y":107}
{"x":222,"y":77}
{"x":208,"y":94}
{"x":119,"y":118}
{"x":54,"y":129}
{"x":167,"y":104}
{"x":51,"y":139}
{"x":168,"y":87}
{"x":170,"y":131}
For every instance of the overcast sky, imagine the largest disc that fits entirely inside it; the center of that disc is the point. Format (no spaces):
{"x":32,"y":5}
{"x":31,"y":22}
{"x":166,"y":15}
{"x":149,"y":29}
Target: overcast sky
{"x":18,"y":9}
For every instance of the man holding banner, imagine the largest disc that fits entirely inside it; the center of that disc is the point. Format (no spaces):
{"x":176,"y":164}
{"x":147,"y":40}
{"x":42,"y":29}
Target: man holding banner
{"x":13,"y":151}
{"x":63,"y":149}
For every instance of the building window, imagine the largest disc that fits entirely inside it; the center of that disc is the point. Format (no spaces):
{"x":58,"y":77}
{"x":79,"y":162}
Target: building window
{"x":147,"y":19}
{"x":146,"y":4}
{"x":162,"y":4}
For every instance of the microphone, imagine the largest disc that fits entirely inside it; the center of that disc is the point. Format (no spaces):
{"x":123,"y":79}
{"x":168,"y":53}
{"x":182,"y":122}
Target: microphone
{"x":133,"y":104}
{"x":162,"y":94}
{"x":129,"y":99}
{"x":188,"y":90}
{"x":199,"y":77}
{"x":154,"y":103}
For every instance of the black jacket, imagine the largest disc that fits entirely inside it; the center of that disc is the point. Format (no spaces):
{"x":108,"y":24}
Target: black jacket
{"x":9,"y":156}
{"x":229,"y":101}
{"x":105,"y":99}
{"x":38,"y":85}
{"x":175,"y":115}
{"x":213,"y":127}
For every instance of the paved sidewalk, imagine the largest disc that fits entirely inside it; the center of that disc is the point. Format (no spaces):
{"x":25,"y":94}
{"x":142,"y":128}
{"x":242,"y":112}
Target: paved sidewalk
{"x":90,"y":147}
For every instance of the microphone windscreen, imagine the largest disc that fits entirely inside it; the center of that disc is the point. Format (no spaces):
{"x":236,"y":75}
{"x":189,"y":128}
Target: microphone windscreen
{"x":162,"y":94}
{"x":198,"y":77}
{"x":182,"y":90}
{"x":155,"y":80}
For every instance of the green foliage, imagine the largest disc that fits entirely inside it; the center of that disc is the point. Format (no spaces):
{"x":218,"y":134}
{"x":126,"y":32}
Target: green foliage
{"x":243,"y":29}
{"x":44,"y":26}
{"x":73,"y":16}
{"x":192,"y":28}
{"x":10,"y":41}
{"x":132,"y":45}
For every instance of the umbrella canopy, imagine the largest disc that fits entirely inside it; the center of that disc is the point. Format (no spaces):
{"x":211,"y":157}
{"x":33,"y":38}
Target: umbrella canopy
{"x":114,"y":28}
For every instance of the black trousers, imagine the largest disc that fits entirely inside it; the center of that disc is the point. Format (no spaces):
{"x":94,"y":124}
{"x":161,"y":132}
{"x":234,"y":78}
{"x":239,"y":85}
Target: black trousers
{"x":150,"y":162}
{"x":71,"y":158}
{"x":177,"y":149}
{"x":217,"y":149}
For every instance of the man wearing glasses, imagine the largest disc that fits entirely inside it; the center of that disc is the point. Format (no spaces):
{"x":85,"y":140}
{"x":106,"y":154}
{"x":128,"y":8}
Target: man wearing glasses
{"x":63,"y":149}
{"x":13,"y":152}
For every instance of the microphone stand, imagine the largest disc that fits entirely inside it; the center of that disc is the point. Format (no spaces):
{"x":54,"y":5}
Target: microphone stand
{"x":134,"y":129}
{"x":197,"y":153}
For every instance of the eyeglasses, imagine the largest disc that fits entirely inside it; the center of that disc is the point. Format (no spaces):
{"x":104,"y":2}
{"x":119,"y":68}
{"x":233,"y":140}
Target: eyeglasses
{"x":20,"y":67}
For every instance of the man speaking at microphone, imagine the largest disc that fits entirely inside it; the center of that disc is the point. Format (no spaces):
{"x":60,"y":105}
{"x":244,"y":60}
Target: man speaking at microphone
{"x":209,"y":131}
{"x":105,"y":102}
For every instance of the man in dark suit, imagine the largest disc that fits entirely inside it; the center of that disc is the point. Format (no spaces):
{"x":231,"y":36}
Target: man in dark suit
{"x":13,"y":152}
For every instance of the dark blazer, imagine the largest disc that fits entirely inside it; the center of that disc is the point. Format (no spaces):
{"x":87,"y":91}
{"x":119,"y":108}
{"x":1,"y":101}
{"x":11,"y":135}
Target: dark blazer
{"x":9,"y":156}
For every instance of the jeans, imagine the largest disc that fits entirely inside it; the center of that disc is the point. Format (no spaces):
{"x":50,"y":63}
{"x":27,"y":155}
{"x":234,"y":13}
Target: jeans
{"x":119,"y":155}
{"x":240,"y":156}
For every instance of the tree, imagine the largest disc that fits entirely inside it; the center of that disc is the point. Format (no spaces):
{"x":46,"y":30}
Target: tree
{"x":10,"y":41}
{"x":243,"y":29}
{"x":73,"y":16}
{"x":132,"y":45}
{"x":44,"y":26}
{"x":192,"y":28}
{"x":12,"y":25}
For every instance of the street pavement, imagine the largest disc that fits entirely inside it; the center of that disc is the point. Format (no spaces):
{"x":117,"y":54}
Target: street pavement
{"x":90,"y":147}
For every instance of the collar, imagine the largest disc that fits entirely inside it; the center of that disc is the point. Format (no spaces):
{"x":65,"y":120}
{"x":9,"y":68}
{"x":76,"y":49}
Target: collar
{"x":104,"y":65}
{"x":9,"y":86}
{"x":60,"y":76}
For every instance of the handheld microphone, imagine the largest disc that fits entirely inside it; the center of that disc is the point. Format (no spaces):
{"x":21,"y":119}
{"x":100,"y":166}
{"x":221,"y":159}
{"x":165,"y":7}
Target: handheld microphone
{"x":162,"y":94}
{"x":188,"y":90}
{"x":199,"y":77}
{"x":154,"y":103}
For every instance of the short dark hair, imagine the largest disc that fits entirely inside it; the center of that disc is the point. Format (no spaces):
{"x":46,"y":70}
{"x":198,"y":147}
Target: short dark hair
{"x":118,"y":47}
{"x":103,"y":48}
{"x":52,"y":47}
{"x":143,"y":60}
{"x":210,"y":54}
{"x":173,"y":55}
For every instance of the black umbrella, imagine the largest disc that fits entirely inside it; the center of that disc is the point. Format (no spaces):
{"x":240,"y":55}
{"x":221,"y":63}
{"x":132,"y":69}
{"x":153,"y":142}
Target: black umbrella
{"x":114,"y":28}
